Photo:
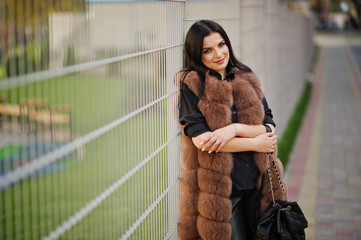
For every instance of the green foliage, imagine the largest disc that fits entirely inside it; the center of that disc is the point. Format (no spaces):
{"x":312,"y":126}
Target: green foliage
{"x":316,"y":53}
{"x":9,"y":150}
{"x":335,"y":6}
{"x":27,"y":50}
{"x":2,"y":72}
{"x":69,"y":56}
{"x":32,"y":57}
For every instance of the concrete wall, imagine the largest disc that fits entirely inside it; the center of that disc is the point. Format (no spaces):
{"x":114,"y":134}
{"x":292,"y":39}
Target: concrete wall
{"x":278,"y":46}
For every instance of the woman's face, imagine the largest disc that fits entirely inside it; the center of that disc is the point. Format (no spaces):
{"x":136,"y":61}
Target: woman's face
{"x":215,"y":53}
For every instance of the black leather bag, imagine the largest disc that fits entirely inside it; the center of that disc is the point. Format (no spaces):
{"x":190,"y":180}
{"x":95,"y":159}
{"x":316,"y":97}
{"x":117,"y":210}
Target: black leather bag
{"x":282,"y":219}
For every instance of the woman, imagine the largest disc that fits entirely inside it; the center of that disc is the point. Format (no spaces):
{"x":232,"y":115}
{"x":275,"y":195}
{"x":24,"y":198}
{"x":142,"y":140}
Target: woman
{"x":227,"y":129}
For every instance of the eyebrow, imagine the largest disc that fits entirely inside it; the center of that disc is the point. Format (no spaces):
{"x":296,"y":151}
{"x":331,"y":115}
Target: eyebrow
{"x":211,"y":47}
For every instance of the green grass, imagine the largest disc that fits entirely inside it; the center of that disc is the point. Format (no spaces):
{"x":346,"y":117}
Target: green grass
{"x":34,"y":207}
{"x":316,"y":54}
{"x":286,"y":143}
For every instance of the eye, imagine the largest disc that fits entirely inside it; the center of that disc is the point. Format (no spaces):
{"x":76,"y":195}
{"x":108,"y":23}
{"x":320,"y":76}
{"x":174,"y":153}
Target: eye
{"x":221,"y":44}
{"x":206,"y":51}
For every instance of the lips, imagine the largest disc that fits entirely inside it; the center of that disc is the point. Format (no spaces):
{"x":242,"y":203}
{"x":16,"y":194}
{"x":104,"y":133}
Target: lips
{"x":220,"y":61}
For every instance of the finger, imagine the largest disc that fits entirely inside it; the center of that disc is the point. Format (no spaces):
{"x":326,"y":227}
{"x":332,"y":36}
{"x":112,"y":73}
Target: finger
{"x":220,"y":147}
{"x":269,"y":134}
{"x":214,"y":146}
{"x":206,"y":139}
{"x":274,"y":137}
{"x":209,"y":144}
{"x":206,"y":145}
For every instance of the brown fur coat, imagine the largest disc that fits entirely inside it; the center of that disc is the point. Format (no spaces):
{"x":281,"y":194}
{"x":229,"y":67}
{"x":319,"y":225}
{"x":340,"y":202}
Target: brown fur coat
{"x":205,"y":183}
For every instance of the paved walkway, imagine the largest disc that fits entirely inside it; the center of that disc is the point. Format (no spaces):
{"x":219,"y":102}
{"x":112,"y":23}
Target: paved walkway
{"x":325,"y":173}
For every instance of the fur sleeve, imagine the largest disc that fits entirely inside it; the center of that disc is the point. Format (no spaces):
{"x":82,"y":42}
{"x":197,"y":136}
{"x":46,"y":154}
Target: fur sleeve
{"x":191,"y":79}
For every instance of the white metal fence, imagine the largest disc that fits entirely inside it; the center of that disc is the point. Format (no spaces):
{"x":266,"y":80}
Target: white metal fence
{"x":89,"y":134}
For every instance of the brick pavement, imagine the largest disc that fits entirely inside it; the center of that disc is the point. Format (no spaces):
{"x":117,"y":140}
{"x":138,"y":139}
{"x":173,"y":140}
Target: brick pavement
{"x":325,"y":173}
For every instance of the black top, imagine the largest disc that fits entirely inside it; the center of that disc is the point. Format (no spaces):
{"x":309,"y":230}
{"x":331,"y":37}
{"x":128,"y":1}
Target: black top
{"x":245,"y":172}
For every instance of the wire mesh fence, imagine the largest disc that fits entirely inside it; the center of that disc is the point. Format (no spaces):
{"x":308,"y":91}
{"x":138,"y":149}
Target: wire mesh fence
{"x":89,"y":140}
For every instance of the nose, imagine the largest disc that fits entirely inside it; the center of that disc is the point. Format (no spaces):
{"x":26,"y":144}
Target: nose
{"x":218,"y":52}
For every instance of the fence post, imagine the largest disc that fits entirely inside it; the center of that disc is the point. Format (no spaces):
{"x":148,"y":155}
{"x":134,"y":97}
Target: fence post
{"x":173,"y":63}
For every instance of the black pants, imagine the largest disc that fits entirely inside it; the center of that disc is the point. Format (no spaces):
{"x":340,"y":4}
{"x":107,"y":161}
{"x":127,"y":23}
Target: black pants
{"x":245,"y":214}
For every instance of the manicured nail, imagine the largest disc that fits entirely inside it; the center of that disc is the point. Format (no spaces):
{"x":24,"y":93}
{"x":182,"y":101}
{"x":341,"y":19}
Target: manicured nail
{"x":201,"y":143}
{"x":210,"y":152}
{"x":203,"y":149}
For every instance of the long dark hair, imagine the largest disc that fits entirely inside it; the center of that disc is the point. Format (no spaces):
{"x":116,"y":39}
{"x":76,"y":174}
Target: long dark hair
{"x":194,"y":45}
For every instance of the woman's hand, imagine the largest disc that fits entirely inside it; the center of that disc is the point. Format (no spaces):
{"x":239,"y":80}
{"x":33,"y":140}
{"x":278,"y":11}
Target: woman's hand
{"x":217,"y":139}
{"x":265,"y":143}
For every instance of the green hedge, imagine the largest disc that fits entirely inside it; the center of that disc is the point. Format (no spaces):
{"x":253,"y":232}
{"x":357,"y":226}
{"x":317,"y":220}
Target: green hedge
{"x":286,"y":143}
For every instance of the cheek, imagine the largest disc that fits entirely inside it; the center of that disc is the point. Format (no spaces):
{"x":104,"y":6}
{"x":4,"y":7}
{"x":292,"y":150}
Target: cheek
{"x":207,"y":59}
{"x":226,"y":51}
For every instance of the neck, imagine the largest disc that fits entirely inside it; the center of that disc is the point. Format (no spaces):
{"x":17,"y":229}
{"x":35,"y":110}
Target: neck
{"x":223,"y":73}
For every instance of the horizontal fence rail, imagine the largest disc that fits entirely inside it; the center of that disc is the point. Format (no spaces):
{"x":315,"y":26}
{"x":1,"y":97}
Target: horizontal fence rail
{"x":50,"y":74}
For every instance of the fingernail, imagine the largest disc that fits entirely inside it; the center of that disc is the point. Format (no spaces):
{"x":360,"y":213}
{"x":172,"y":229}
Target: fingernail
{"x":201,"y":143}
{"x":210,"y":152}
{"x":203,"y":149}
